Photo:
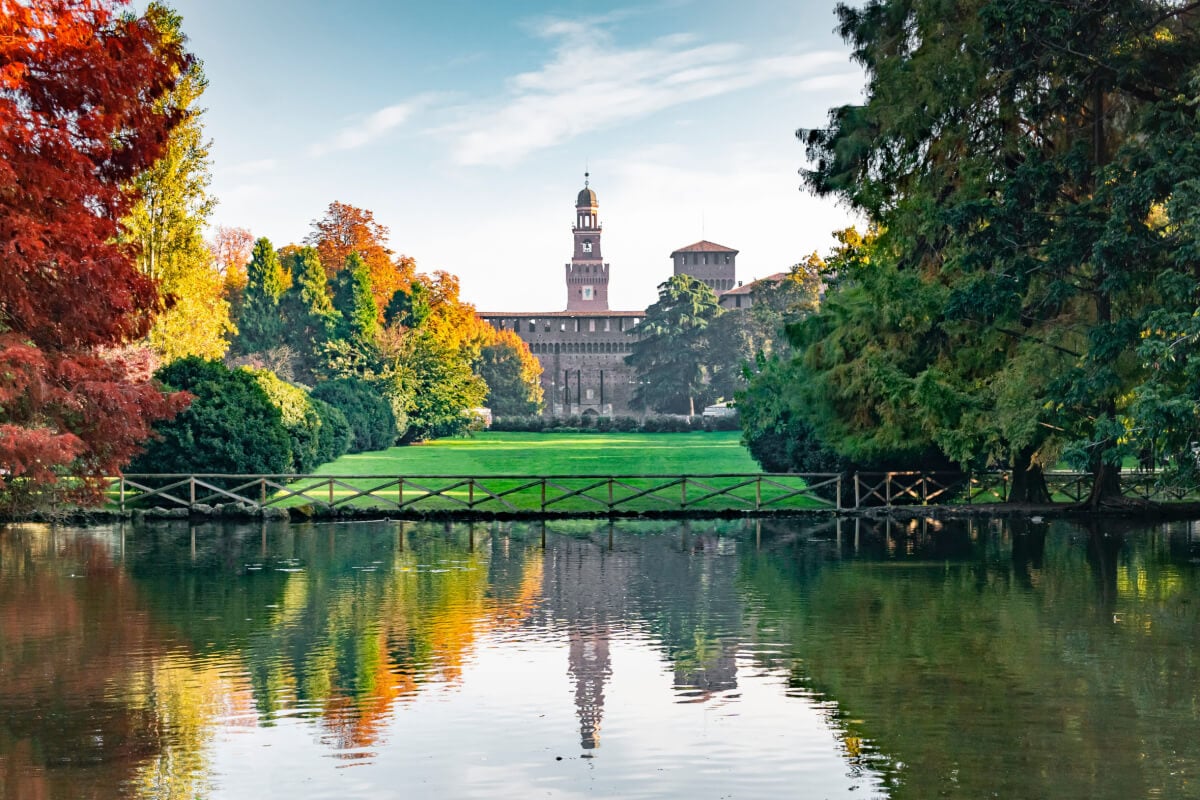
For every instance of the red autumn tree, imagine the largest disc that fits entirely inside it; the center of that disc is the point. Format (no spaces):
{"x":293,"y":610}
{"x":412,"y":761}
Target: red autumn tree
{"x":346,"y":229}
{"x":78,"y":121}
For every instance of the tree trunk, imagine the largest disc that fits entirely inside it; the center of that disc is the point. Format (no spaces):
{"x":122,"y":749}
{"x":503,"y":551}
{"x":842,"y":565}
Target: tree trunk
{"x":1029,"y":482}
{"x":1106,"y":486}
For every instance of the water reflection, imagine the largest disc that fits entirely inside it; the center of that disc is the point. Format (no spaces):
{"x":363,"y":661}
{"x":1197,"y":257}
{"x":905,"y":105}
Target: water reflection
{"x":909,"y":660}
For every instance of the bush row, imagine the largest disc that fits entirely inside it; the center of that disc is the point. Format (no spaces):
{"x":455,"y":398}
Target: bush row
{"x":594,"y":424}
{"x":246,"y":422}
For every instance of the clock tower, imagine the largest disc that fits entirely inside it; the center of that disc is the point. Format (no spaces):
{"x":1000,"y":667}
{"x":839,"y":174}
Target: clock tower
{"x":587,"y":274}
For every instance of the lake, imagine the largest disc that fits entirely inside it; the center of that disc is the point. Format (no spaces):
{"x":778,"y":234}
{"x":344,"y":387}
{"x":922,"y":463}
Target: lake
{"x":710,"y":659}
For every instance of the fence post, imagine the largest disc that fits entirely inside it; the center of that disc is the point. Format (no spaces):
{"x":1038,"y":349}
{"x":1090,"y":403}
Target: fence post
{"x":758,"y":492}
{"x":191,"y":490}
{"x":400,"y":491}
{"x":262,"y":492}
{"x":331,"y":491}
{"x":857,"y":493}
{"x":122,"y":494}
{"x":470,"y":493}
{"x":887,"y":490}
{"x":610,"y":493}
{"x":683,"y":493}
{"x":839,"y":496}
{"x":543,"y":509}
{"x":924,"y":489}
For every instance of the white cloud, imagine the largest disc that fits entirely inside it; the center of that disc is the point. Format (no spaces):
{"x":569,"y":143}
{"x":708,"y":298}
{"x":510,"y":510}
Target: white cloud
{"x":592,"y":83}
{"x":364,"y":130}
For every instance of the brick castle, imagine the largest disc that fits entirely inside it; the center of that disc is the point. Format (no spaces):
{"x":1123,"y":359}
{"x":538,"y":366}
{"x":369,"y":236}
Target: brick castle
{"x":582,"y":349}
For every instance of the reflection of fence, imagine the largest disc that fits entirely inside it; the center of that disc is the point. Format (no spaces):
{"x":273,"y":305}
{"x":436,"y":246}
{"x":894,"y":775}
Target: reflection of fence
{"x":547,"y":494}
{"x":553,"y":494}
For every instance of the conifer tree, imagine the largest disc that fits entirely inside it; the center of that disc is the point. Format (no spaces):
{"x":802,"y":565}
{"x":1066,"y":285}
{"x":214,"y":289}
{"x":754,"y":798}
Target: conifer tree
{"x":354,"y":300}
{"x":261,"y":326}
{"x":308,"y":311}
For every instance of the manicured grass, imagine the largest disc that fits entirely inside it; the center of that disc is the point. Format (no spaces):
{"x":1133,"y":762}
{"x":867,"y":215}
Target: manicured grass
{"x":560,"y":454}
{"x":490,"y":453}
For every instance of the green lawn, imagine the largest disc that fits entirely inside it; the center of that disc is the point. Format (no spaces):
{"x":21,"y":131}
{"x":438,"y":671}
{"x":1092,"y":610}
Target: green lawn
{"x":490,"y":453}
{"x":558,"y":454}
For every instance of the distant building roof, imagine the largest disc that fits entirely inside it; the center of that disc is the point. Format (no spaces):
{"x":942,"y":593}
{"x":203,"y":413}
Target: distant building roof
{"x":747,"y":288}
{"x":541,"y":314}
{"x":705,"y":246}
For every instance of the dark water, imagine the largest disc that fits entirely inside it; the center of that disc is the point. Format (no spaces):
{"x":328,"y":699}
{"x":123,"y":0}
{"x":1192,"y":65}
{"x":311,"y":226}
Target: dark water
{"x":708,"y":660}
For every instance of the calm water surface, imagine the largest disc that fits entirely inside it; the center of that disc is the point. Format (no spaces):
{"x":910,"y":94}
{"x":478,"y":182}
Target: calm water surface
{"x":701,"y":660}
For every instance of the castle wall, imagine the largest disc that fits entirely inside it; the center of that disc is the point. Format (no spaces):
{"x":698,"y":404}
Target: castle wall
{"x":582,"y":356}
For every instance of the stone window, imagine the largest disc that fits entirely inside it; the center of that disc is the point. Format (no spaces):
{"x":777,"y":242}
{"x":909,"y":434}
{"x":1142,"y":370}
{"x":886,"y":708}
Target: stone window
{"x":589,"y":394}
{"x":592,"y":325}
{"x":532,"y":325}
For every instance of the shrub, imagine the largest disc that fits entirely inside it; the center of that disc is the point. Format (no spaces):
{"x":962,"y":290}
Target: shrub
{"x":372,"y":422}
{"x":300,"y":419}
{"x":333,"y":441}
{"x":230,"y":427}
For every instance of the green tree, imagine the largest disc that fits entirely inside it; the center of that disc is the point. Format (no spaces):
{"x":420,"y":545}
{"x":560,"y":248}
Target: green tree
{"x":1007,"y":150}
{"x":308,"y":312}
{"x":670,"y":355}
{"x":261,"y":326}
{"x":353,"y":299}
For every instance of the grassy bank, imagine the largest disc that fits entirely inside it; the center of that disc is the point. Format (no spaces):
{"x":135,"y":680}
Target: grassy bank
{"x":491,"y":453}
{"x":564,"y":454}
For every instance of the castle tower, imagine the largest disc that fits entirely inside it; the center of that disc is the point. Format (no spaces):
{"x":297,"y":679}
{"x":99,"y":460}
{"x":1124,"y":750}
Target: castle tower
{"x":587,"y":274}
{"x":708,"y":262}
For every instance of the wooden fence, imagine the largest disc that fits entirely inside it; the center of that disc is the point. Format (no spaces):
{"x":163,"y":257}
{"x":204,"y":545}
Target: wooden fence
{"x":551,"y":494}
{"x":546,"y":494}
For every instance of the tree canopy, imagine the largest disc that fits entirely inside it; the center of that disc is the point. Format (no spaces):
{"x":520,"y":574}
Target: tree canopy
{"x":82,"y":114}
{"x":1025,"y":167}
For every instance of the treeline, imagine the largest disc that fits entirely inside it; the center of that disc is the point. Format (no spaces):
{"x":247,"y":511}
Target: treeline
{"x":1027,"y":292}
{"x":116,"y":315}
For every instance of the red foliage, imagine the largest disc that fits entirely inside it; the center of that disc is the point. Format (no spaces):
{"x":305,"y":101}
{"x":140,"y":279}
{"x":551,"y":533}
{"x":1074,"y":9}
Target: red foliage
{"x":78,"y":84}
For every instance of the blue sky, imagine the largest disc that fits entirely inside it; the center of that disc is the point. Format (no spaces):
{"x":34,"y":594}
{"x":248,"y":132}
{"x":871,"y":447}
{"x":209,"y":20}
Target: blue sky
{"x":466,"y":126}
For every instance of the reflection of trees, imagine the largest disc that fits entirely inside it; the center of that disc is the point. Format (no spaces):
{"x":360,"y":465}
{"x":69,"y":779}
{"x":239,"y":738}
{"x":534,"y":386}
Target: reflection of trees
{"x":1032,"y":666}
{"x":339,"y":627}
{"x":85,"y":714}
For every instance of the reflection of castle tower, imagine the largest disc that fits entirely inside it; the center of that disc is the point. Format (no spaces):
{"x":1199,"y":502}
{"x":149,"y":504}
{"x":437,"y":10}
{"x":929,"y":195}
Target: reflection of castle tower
{"x":587,"y":586}
{"x":590,"y":667}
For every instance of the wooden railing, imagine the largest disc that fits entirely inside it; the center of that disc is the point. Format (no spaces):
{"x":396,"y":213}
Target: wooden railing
{"x":568,"y":494}
{"x":546,"y":494}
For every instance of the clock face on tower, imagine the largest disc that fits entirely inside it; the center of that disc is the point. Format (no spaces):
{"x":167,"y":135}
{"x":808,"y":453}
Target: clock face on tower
{"x":587,"y":246}
{"x":588,"y":293}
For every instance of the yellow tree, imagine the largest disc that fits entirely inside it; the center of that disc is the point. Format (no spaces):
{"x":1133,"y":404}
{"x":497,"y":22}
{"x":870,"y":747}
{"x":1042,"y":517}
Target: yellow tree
{"x":166,"y":224}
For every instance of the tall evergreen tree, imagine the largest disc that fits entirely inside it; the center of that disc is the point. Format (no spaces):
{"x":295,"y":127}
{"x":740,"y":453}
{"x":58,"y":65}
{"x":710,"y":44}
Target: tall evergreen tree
{"x":261,"y":326}
{"x":670,"y":355}
{"x":308,"y":311}
{"x":354,"y":300}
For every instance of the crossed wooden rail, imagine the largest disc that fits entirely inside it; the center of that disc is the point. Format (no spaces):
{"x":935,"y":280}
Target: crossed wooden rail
{"x":542,"y":493}
{"x":576,"y":493}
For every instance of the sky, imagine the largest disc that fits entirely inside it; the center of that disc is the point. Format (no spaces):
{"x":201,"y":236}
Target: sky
{"x":466,"y":127}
